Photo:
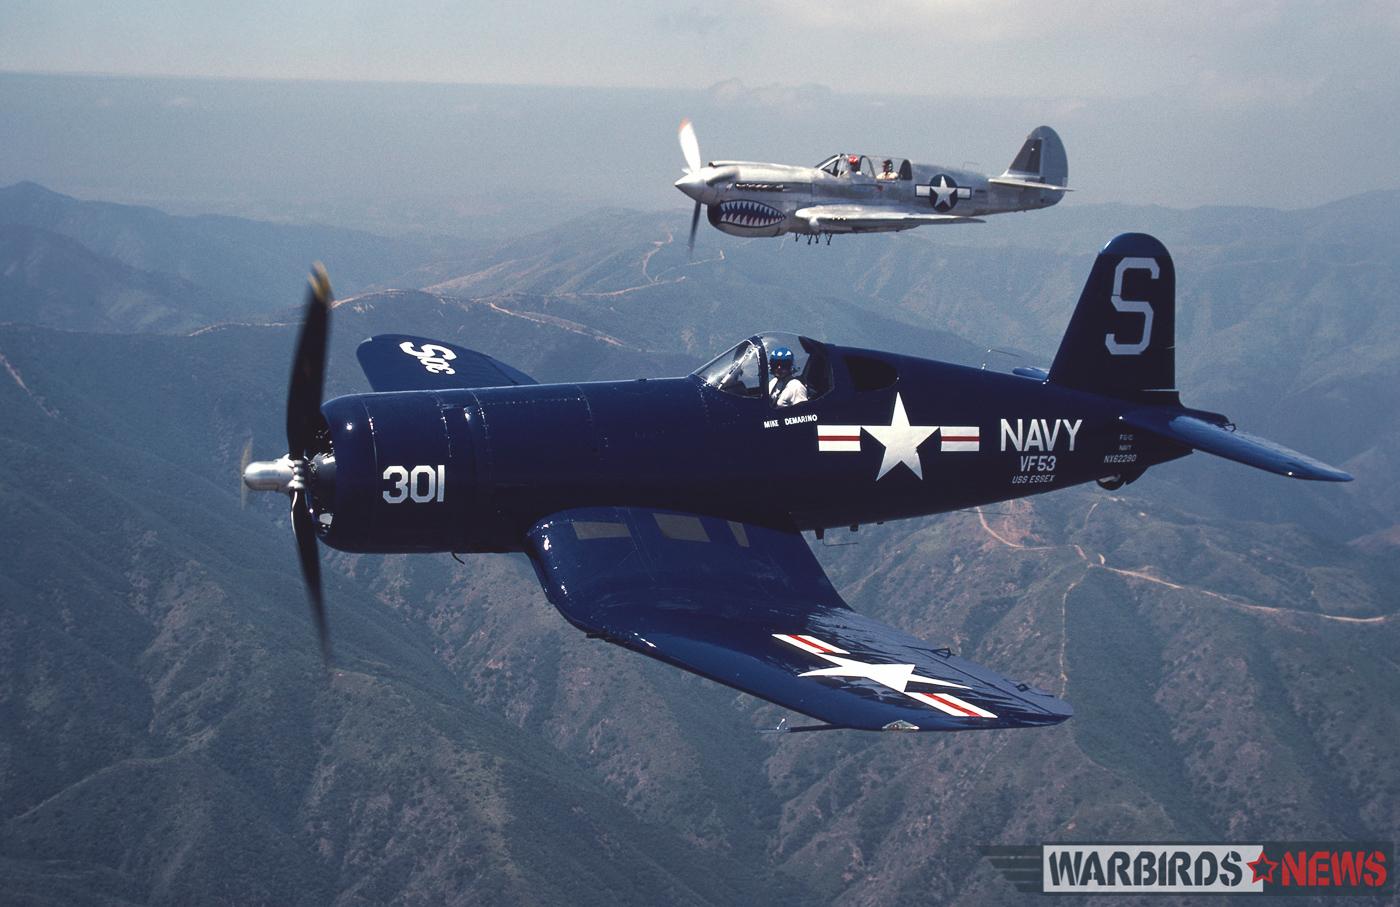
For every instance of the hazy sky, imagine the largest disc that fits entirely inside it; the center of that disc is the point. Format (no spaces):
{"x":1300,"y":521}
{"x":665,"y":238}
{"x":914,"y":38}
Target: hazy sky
{"x":1284,"y":104}
{"x":1228,"y":50}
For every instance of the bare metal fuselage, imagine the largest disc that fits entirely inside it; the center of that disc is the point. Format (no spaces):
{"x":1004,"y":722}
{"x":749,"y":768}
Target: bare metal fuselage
{"x":749,"y":198}
{"x":855,"y":193}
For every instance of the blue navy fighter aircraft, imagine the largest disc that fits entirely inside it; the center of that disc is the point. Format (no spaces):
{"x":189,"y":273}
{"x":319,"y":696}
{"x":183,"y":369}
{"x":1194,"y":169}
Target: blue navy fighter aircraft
{"x":664,"y":515}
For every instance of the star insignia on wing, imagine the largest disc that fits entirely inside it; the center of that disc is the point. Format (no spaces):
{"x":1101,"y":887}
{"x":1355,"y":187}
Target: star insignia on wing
{"x":895,"y":676}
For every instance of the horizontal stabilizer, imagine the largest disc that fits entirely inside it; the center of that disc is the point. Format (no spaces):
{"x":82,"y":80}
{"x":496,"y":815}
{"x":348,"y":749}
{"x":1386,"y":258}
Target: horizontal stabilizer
{"x":1223,"y":441}
{"x":750,"y":607}
{"x":399,"y":362}
{"x":1025,"y":184}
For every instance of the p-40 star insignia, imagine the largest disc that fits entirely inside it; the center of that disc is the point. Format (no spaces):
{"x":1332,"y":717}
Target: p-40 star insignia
{"x":945,"y":194}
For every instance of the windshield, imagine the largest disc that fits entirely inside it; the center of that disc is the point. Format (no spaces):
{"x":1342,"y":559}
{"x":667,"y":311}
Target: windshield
{"x":784,"y":368}
{"x":735,"y":372}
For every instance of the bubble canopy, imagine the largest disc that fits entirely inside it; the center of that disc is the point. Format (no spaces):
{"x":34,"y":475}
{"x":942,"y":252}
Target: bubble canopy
{"x":743,"y":370}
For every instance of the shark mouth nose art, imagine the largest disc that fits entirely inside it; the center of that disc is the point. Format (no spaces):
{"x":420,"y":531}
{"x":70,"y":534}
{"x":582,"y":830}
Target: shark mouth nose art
{"x":749,"y":214}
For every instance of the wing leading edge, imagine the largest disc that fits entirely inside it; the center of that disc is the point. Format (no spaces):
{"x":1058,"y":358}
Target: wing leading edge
{"x":751,"y":608}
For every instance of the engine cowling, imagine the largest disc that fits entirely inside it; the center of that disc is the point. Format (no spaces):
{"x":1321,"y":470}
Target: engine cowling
{"x":404,"y":474}
{"x":746,"y":217}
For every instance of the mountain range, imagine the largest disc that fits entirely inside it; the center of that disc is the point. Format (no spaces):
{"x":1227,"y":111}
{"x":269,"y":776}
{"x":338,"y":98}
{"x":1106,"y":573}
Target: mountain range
{"x":1227,"y":638}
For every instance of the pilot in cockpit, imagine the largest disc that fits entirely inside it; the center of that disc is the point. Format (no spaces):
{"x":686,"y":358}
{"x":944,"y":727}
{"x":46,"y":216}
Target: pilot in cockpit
{"x":852,"y":165}
{"x":784,"y":388}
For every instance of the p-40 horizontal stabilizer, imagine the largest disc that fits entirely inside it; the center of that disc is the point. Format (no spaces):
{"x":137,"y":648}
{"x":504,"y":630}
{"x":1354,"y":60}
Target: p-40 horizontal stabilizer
{"x":1026,"y":184}
{"x":1224,"y":441}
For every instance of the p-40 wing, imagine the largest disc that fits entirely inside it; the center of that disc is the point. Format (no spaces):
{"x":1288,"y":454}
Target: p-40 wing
{"x":750,"y":607}
{"x":399,"y":362}
{"x":853,"y":218}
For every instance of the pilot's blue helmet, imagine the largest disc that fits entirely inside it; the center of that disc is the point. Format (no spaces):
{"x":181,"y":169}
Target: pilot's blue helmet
{"x":780,"y":360}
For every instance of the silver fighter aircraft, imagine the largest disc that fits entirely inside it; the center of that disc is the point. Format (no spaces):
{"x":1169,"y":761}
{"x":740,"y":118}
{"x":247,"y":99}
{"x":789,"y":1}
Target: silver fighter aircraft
{"x":864,"y":193}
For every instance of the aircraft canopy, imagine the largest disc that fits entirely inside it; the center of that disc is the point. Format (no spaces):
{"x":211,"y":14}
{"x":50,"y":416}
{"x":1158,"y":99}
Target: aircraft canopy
{"x":744,"y":371}
{"x":867,"y":165}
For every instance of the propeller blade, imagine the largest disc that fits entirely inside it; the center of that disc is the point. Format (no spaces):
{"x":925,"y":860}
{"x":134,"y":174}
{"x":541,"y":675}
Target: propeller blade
{"x":690,"y":147}
{"x":309,"y":368}
{"x":304,"y":528}
{"x":243,"y":462}
{"x":694,"y":222}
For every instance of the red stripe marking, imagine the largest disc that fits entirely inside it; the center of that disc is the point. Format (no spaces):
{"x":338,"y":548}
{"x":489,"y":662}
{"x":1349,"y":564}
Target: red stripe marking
{"x":816,"y":643}
{"x":961,"y":438}
{"x":838,"y":437}
{"x":951,"y":705}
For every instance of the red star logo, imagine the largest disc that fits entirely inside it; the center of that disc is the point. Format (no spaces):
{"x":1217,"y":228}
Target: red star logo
{"x":1263,"y":868}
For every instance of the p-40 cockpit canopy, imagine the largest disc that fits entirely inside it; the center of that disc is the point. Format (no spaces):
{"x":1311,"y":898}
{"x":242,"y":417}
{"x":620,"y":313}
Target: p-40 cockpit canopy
{"x":786,"y":368}
{"x":869,"y":166}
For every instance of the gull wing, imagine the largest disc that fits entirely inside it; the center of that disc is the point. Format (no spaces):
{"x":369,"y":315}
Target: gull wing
{"x":750,"y":607}
{"x":869,"y":218}
{"x":401,"y":362}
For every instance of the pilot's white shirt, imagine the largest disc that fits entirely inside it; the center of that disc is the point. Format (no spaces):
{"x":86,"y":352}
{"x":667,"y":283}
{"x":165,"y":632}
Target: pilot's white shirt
{"x":795,"y":392}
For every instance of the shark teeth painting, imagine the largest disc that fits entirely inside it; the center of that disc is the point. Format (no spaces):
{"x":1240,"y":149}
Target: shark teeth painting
{"x":749,"y":214}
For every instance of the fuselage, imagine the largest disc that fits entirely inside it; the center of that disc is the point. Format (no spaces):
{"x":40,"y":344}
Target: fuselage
{"x":889,"y":437}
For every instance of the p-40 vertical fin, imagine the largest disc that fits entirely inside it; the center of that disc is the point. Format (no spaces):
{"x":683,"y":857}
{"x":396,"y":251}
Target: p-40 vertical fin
{"x":1040,"y":164}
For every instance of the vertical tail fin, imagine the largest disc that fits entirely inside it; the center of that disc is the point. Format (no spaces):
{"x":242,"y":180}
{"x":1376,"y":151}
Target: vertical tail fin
{"x":1121,"y":341}
{"x":1041,"y":159}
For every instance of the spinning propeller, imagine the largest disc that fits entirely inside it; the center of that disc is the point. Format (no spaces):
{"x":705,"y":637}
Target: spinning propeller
{"x":308,"y":468}
{"x":700,"y":179}
{"x":690,"y":147}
